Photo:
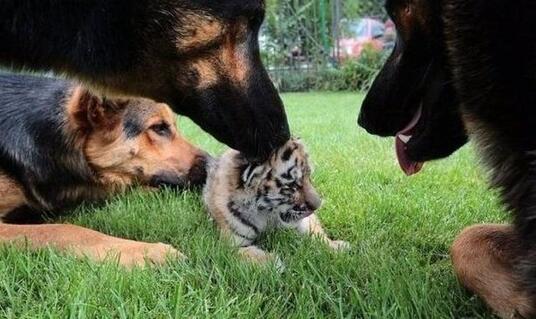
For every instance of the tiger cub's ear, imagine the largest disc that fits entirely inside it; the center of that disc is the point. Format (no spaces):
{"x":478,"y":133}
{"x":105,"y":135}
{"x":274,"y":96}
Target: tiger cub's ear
{"x":254,"y":174}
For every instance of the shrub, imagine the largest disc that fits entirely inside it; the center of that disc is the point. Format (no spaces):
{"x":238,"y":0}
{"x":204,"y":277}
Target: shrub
{"x":352,"y":75}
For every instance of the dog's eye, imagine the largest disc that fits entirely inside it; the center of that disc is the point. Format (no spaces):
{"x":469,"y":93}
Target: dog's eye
{"x":161,"y":129}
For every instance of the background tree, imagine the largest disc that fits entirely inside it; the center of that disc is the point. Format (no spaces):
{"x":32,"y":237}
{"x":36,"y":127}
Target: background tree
{"x":299,"y":44}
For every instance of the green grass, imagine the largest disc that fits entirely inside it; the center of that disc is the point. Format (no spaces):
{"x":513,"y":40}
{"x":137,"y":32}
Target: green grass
{"x":400,"y":229}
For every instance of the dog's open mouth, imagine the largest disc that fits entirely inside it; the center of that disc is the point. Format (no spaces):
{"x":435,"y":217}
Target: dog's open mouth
{"x":401,"y":140}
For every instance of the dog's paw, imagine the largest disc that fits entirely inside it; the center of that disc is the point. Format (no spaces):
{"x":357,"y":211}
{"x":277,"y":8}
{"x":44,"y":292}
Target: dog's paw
{"x":144,"y":254}
{"x":339,"y":245}
{"x":159,"y":253}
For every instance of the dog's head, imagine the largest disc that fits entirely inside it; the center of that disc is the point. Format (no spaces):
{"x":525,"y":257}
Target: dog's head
{"x":135,"y":141}
{"x":203,"y":59}
{"x":413,"y":97}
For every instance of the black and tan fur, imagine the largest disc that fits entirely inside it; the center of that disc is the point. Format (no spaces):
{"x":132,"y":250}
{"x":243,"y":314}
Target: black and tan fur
{"x":61,"y":145}
{"x":247,"y":199}
{"x":472,"y":62}
{"x":199,"y":56}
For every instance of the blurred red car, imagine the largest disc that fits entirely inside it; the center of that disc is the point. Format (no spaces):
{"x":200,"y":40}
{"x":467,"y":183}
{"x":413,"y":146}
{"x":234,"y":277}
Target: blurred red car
{"x":363,"y":33}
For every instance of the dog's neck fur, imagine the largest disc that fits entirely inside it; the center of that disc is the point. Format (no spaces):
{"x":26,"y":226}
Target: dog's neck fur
{"x":32,"y":136}
{"x":71,"y":37}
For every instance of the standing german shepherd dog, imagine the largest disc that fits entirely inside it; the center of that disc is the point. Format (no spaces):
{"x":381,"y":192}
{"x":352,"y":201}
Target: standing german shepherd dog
{"x":201,"y":57}
{"x":470,"y":66}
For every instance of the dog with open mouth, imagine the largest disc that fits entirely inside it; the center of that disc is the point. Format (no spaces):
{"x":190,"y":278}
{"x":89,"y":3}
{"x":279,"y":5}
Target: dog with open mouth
{"x":467,"y":68}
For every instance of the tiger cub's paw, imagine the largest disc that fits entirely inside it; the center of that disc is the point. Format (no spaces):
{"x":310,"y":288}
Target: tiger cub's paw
{"x":258,"y":256}
{"x":339,"y":245}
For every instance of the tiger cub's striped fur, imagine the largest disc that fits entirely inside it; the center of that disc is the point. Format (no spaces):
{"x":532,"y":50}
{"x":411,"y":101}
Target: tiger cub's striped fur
{"x":246,"y":199}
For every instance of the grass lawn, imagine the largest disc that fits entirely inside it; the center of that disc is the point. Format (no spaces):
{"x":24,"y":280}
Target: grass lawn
{"x":400,"y":229}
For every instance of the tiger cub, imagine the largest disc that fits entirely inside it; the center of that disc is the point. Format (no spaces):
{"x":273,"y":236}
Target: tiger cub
{"x":247,"y":199}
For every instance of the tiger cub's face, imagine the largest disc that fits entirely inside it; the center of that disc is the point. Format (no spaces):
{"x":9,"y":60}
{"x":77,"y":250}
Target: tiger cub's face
{"x":283,"y":184}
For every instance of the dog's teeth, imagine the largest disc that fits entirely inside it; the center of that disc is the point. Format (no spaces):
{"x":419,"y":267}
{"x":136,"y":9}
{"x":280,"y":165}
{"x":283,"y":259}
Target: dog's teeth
{"x":404,"y":138}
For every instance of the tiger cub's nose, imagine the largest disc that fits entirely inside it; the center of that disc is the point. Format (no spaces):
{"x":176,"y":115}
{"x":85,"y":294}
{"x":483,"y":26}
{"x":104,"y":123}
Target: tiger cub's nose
{"x":312,"y":199}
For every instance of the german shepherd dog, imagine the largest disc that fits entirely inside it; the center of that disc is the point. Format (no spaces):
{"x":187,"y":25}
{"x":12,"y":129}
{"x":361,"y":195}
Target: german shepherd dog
{"x":62,"y":144}
{"x":468,"y":68}
{"x":199,"y":56}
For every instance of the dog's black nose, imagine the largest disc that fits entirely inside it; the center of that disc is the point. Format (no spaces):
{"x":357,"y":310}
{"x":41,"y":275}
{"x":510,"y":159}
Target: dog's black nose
{"x":168,"y":179}
{"x":197,"y":175}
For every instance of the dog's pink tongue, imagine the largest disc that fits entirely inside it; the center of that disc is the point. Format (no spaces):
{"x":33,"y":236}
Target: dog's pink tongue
{"x":408,"y":166}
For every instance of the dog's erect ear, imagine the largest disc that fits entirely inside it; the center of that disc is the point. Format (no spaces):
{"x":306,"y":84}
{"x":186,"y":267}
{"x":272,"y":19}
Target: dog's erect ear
{"x":104,"y":113}
{"x":88,"y":111}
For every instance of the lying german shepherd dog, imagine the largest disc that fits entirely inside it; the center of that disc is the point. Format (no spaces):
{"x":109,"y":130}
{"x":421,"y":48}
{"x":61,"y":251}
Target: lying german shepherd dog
{"x":470,"y":66}
{"x":200,"y":57}
{"x":62,"y":145}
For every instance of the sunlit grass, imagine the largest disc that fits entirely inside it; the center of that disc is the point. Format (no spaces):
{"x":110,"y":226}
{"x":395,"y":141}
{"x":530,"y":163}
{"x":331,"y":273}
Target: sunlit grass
{"x":400,"y":229}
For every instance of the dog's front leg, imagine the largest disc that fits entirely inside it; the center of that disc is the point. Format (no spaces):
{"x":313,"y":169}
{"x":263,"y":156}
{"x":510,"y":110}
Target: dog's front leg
{"x":85,"y":242}
{"x":311,"y":226}
{"x":11,"y":195}
{"x":484,"y":259}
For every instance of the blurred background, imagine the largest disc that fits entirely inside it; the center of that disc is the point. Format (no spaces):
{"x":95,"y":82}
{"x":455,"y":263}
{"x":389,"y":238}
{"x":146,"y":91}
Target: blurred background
{"x":326,"y":45}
